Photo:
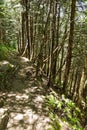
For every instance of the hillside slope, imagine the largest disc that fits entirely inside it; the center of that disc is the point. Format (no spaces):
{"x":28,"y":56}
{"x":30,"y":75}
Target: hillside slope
{"x":23,"y":97}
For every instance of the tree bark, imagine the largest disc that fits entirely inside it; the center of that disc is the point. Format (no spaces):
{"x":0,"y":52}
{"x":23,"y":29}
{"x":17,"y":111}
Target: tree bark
{"x":70,"y":44}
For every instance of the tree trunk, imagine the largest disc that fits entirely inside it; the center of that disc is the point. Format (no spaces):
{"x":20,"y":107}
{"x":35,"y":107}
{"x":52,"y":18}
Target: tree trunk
{"x":27,"y":27}
{"x":70,"y":43}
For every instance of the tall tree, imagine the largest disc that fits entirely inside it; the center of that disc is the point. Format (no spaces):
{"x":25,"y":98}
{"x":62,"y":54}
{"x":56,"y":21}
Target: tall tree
{"x":70,"y":44}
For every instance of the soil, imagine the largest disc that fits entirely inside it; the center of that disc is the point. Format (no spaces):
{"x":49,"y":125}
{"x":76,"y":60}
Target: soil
{"x":23,"y":97}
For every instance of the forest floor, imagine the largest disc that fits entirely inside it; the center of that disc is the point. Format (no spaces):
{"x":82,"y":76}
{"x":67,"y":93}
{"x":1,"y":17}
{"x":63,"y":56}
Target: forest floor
{"x":24,"y":100}
{"x":22,"y":107}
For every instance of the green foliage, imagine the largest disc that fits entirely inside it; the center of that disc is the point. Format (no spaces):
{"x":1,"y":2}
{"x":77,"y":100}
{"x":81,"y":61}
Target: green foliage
{"x":1,"y":1}
{"x":51,"y":101}
{"x":3,"y":52}
{"x":66,"y":109}
{"x":55,"y":122}
{"x":8,"y":23}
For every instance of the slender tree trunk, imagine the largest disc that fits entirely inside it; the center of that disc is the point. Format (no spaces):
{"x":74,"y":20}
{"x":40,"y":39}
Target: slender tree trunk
{"x":31,"y":37}
{"x":52,"y":67}
{"x":23,"y":33}
{"x":61,"y":62}
{"x":70,"y":43}
{"x":27,"y":27}
{"x":73,"y":91}
{"x":78,"y":85}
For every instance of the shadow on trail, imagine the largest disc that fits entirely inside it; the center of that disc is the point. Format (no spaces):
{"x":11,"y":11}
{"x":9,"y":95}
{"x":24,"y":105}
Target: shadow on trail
{"x":25,"y":99}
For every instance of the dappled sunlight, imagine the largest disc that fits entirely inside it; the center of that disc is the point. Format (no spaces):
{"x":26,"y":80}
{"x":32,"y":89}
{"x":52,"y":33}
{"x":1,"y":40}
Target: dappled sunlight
{"x":39,"y":99}
{"x":43,"y":64}
{"x":25,"y":100}
{"x":22,"y":97}
{"x":25,"y":111}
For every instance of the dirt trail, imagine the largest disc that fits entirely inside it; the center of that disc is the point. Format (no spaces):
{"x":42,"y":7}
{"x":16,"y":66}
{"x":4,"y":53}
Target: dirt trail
{"x":25,"y":99}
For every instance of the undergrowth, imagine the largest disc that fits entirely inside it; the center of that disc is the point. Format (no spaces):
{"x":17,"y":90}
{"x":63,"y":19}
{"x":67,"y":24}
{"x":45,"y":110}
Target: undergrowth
{"x":65,"y":109}
{"x":5,"y":67}
{"x":5,"y":51}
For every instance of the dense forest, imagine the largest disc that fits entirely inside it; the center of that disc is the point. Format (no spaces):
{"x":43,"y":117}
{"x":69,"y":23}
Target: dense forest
{"x":43,"y":56}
